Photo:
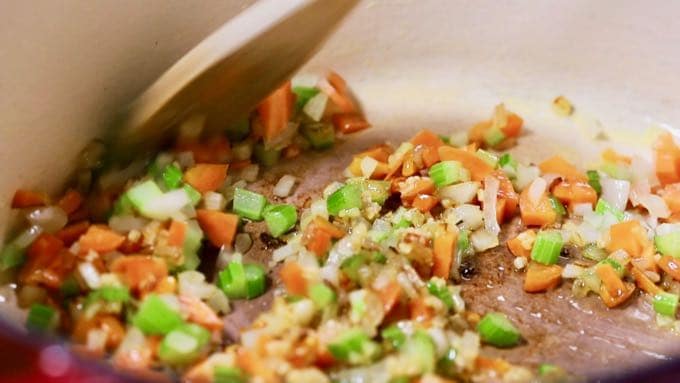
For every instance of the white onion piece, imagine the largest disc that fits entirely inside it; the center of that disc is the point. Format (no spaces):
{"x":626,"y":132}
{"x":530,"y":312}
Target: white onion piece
{"x":250,"y":172}
{"x":667,"y":228}
{"x":192,"y":283}
{"x":368,"y":165}
{"x":536,"y":190}
{"x":483,"y":239}
{"x":242,"y":151}
{"x":550,"y":178}
{"x":316,"y":106}
{"x":491,"y":185}
{"x":168,"y":205}
{"x":214,"y":201}
{"x":50,"y":218}
{"x":525,"y":176}
{"x":655,"y":205}
{"x":90,"y":275}
{"x":127,"y":223}
{"x":615,"y":192}
{"x":582,"y":209}
{"x":460,"y":193}
{"x":470,"y":217}
{"x":284,"y":186}
{"x":572,"y":271}
{"x":27,"y":236}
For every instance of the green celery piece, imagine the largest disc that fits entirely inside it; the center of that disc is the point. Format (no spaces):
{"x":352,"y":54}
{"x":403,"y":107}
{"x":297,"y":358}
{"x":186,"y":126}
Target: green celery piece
{"x":547,"y":247}
{"x":488,"y":157}
{"x":192,"y":244}
{"x":603,"y":206}
{"x":232,"y":280}
{"x":228,"y":374}
{"x":496,"y":329}
{"x":172,"y":176}
{"x":266,"y":157}
{"x":238,"y":130}
{"x":303,"y":94}
{"x":109,"y":294}
{"x":351,"y":266}
{"x":183,"y":345}
{"x":194,"y":195}
{"x":494,"y":136}
{"x":69,"y":288}
{"x":321,"y":135}
{"x":249,"y":204}
{"x":594,"y":253}
{"x":322,"y":295}
{"x":446,"y":173}
{"x":155,"y":317}
{"x":594,"y":181}
{"x":394,"y":335}
{"x":256,"y":282}
{"x":438,"y":288}
{"x":557,"y":206}
{"x":347,"y":197}
{"x":355,"y":347}
{"x":666,"y":304}
{"x":123,"y":205}
{"x":142,"y":193}
{"x":41,"y":317}
{"x":617,"y":171}
{"x":420,"y":349}
{"x":11,"y":256}
{"x":280,"y":218}
{"x":668,"y":244}
{"x":507,"y":160}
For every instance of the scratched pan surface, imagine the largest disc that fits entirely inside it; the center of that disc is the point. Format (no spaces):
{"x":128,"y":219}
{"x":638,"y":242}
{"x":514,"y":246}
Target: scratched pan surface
{"x":413,"y":64}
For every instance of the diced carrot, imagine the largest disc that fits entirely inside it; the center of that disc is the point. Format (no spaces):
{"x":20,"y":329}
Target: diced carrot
{"x":72,"y":232}
{"x":572,"y":192}
{"x":508,"y":199}
{"x":348,"y":123}
{"x":167,"y":285}
{"x":517,"y":247}
{"x":215,"y":149}
{"x":337,"y":93}
{"x":27,"y":198}
{"x":498,"y":365}
{"x":427,"y":138}
{"x":140,"y":272}
{"x":176,"y":233}
{"x":71,"y":201}
{"x":199,"y":313}
{"x":444,"y":249}
{"x":238,"y":165}
{"x":100,"y":239}
{"x":560,"y":166}
{"x":251,"y":363}
{"x":425,"y":202}
{"x":513,"y":128}
{"x":389,"y":295}
{"x":48,"y":262}
{"x":379,"y":153}
{"x":206,"y":177}
{"x":536,"y":214}
{"x":643,"y":282}
{"x":671,"y":194}
{"x":430,"y":156}
{"x":413,"y":186}
{"x":318,"y":235}
{"x":219,"y":227}
{"x":670,"y":266}
{"x":667,"y":159}
{"x":478,"y":131}
{"x":629,"y":236}
{"x":610,"y":155}
{"x":106,"y":322}
{"x":613,"y":301}
{"x":478,"y":168}
{"x":542,"y":277}
{"x":275,"y":111}
{"x":293,"y":278}
{"x":420,"y":311}
{"x":610,"y":280}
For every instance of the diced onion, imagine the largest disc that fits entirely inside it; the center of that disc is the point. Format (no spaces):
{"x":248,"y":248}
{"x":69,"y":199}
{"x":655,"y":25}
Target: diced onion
{"x":27,"y":236}
{"x":127,"y":223}
{"x":519,"y":263}
{"x":491,"y":185}
{"x":218,"y":301}
{"x":242,"y":151}
{"x":655,"y":205}
{"x":243,"y":242}
{"x":90,"y":275}
{"x":368,"y":165}
{"x":284,"y":186}
{"x":50,"y":218}
{"x":214,"y":201}
{"x":168,"y":205}
{"x":582,"y":209}
{"x":96,"y":339}
{"x":572,"y":271}
{"x":483,"y":239}
{"x":470,"y":216}
{"x":316,"y":106}
{"x":250,"y":172}
{"x":192,"y":283}
{"x":537,"y":189}
{"x":667,"y":228}
{"x":525,"y":176}
{"x":615,"y":192}
{"x":461,"y":193}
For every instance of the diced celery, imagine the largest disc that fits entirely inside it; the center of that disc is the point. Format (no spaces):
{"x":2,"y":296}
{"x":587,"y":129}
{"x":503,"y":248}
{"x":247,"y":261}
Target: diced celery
{"x":420,"y":349}
{"x":496,"y":329}
{"x":266,"y":157}
{"x":303,"y":94}
{"x":666,"y":304}
{"x":238,"y":130}
{"x":393,"y":335}
{"x":280,"y":218}
{"x":547,"y":247}
{"x":320,"y":135}
{"x":156,"y":317}
{"x":494,"y":136}
{"x":603,"y":207}
{"x":594,"y":180}
{"x":11,"y":256}
{"x":192,"y":244}
{"x":249,"y":204}
{"x":446,"y":172}
{"x":172,"y":176}
{"x":668,"y":244}
{"x":321,"y":295}
{"x":557,"y":206}
{"x":183,"y":345}
{"x":354,"y":347}
{"x":347,"y":197}
{"x":488,"y":157}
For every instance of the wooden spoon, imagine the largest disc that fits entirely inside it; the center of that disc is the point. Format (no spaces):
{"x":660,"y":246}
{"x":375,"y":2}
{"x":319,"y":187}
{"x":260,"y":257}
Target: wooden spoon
{"x":233,"y":69}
